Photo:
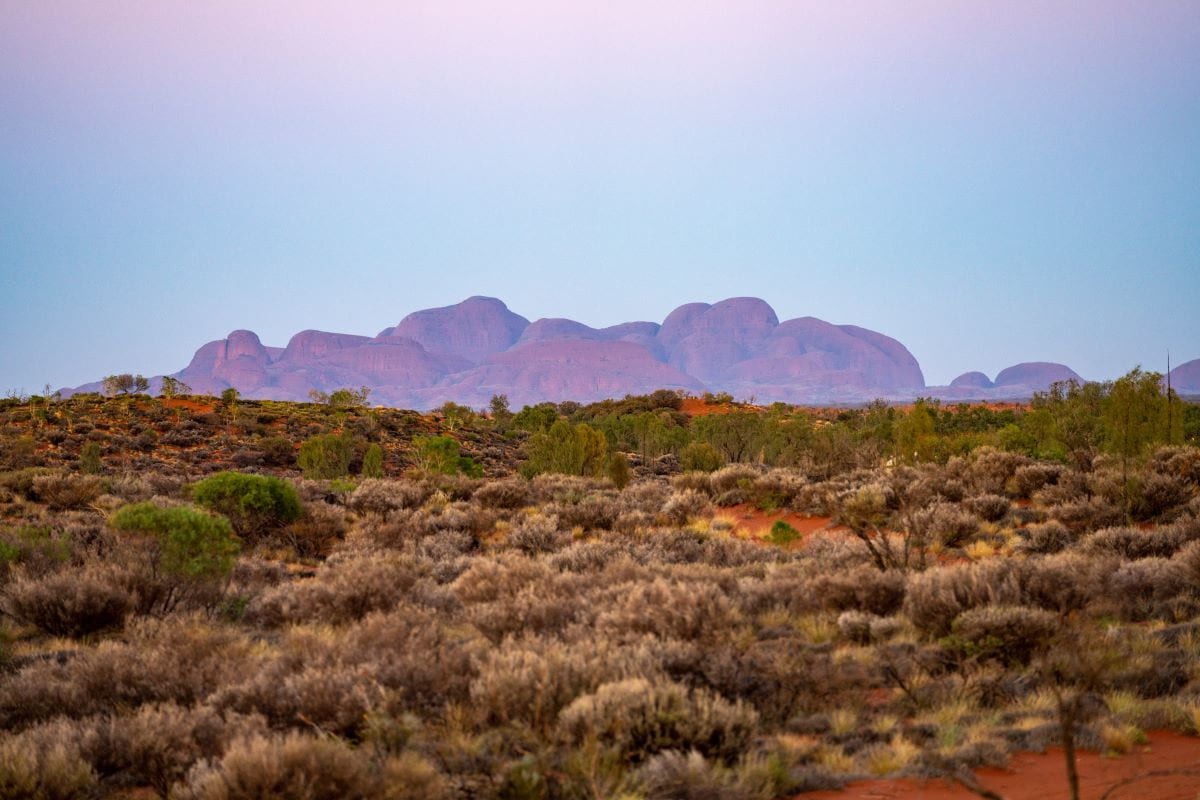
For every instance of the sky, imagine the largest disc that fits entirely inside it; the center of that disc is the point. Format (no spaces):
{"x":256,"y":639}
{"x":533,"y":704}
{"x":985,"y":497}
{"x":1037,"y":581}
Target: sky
{"x":987,"y":182}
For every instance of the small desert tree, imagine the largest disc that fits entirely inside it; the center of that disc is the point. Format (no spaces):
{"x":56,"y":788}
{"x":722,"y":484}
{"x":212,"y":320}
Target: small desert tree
{"x":89,"y":459}
{"x":567,"y":449}
{"x":341,"y":398}
{"x":372,"y":466}
{"x":125,"y":383}
{"x":618,"y":470}
{"x":498,"y":408}
{"x":1077,"y":668}
{"x":173,"y":387}
{"x":326,"y":456}
{"x":1134,"y":417}
{"x":441,"y":454}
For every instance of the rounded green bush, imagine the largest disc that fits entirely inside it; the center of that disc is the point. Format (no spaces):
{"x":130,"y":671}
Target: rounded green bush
{"x":254,"y":503}
{"x":194,"y":544}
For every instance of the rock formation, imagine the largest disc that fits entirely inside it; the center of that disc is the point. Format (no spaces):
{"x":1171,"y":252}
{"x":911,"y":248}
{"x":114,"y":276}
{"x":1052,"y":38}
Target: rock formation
{"x":471,"y":350}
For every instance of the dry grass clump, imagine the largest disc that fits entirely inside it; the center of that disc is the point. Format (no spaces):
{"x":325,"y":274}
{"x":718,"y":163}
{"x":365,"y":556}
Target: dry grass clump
{"x":61,"y":492}
{"x":531,"y":679}
{"x":535,"y":534}
{"x":1151,"y":588}
{"x":987,"y":470}
{"x":382,"y":496}
{"x":159,"y":743}
{"x":45,"y":763}
{"x":682,"y":507}
{"x":728,"y":479}
{"x":863,"y":589}
{"x":72,"y":602}
{"x":507,"y":493}
{"x":292,"y":765}
{"x":1009,"y":634}
{"x":936,"y":597}
{"x":1066,"y":582}
{"x":316,"y":532}
{"x":673,"y":609}
{"x":1030,"y":478}
{"x":640,"y":718}
{"x":945,"y":524}
{"x":1046,"y":538}
{"x":1086,"y":515}
{"x":343,"y":590}
{"x":989,"y":507}
{"x":596,"y":512}
{"x":1134,"y":543}
{"x":672,"y":775}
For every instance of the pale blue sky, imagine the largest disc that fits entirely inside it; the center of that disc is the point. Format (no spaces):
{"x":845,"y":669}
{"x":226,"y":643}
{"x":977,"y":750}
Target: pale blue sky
{"x":987,"y":182}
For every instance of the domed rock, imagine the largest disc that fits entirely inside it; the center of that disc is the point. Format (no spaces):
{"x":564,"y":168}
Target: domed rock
{"x":1185,"y":379}
{"x":678,"y":324}
{"x":558,"y":328}
{"x":1035,"y":375}
{"x":472,"y":329}
{"x":310,"y":345}
{"x":972,"y":380}
{"x":717,"y":337}
{"x":810,"y":352}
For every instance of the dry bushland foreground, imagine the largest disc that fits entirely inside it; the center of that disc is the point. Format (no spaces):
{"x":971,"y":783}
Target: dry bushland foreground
{"x":443,"y":636}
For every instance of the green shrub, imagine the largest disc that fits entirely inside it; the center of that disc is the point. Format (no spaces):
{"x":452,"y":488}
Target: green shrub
{"x":618,"y":470}
{"x":254,"y":503}
{"x":192,"y":544}
{"x":38,"y":549}
{"x":783,"y":534}
{"x":441,"y":454}
{"x":326,"y":456}
{"x":89,"y":459}
{"x":567,"y":449}
{"x":372,"y":466}
{"x":278,"y":451}
{"x":701,"y":457}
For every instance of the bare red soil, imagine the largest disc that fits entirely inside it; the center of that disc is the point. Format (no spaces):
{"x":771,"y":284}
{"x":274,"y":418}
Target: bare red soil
{"x":696,"y":407}
{"x":1168,"y":768}
{"x":195,"y":406}
{"x":749,"y":521}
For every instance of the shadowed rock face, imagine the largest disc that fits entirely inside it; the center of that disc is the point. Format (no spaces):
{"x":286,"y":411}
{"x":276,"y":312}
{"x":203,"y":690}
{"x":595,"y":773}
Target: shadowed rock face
{"x":972,"y":380}
{"x":1035,"y":375}
{"x":470,"y":351}
{"x":471,"y":330}
{"x":1185,"y":379}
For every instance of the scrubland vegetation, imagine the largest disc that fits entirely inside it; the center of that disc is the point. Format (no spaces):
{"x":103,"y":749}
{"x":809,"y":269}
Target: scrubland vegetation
{"x":226,"y":599}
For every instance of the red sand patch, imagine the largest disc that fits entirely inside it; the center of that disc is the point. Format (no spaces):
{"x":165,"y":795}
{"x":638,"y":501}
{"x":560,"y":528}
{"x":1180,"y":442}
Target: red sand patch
{"x":1043,"y":776}
{"x":696,"y":407}
{"x":749,"y":521}
{"x":191,"y":405}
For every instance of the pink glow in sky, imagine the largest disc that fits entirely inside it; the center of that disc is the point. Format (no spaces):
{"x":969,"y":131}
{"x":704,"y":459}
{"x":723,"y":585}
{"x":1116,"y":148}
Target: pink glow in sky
{"x":881,"y":163}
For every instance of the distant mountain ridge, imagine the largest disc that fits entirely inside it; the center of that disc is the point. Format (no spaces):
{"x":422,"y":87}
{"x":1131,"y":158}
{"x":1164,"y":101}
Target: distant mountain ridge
{"x":469,"y":351}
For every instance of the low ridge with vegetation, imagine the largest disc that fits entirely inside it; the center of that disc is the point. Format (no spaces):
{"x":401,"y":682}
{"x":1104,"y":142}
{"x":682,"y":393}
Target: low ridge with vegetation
{"x":220,"y":598}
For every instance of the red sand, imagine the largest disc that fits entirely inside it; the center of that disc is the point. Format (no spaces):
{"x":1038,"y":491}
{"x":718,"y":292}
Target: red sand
{"x":749,"y":521}
{"x":190,"y":405}
{"x":696,"y":407}
{"x":1043,"y":776}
